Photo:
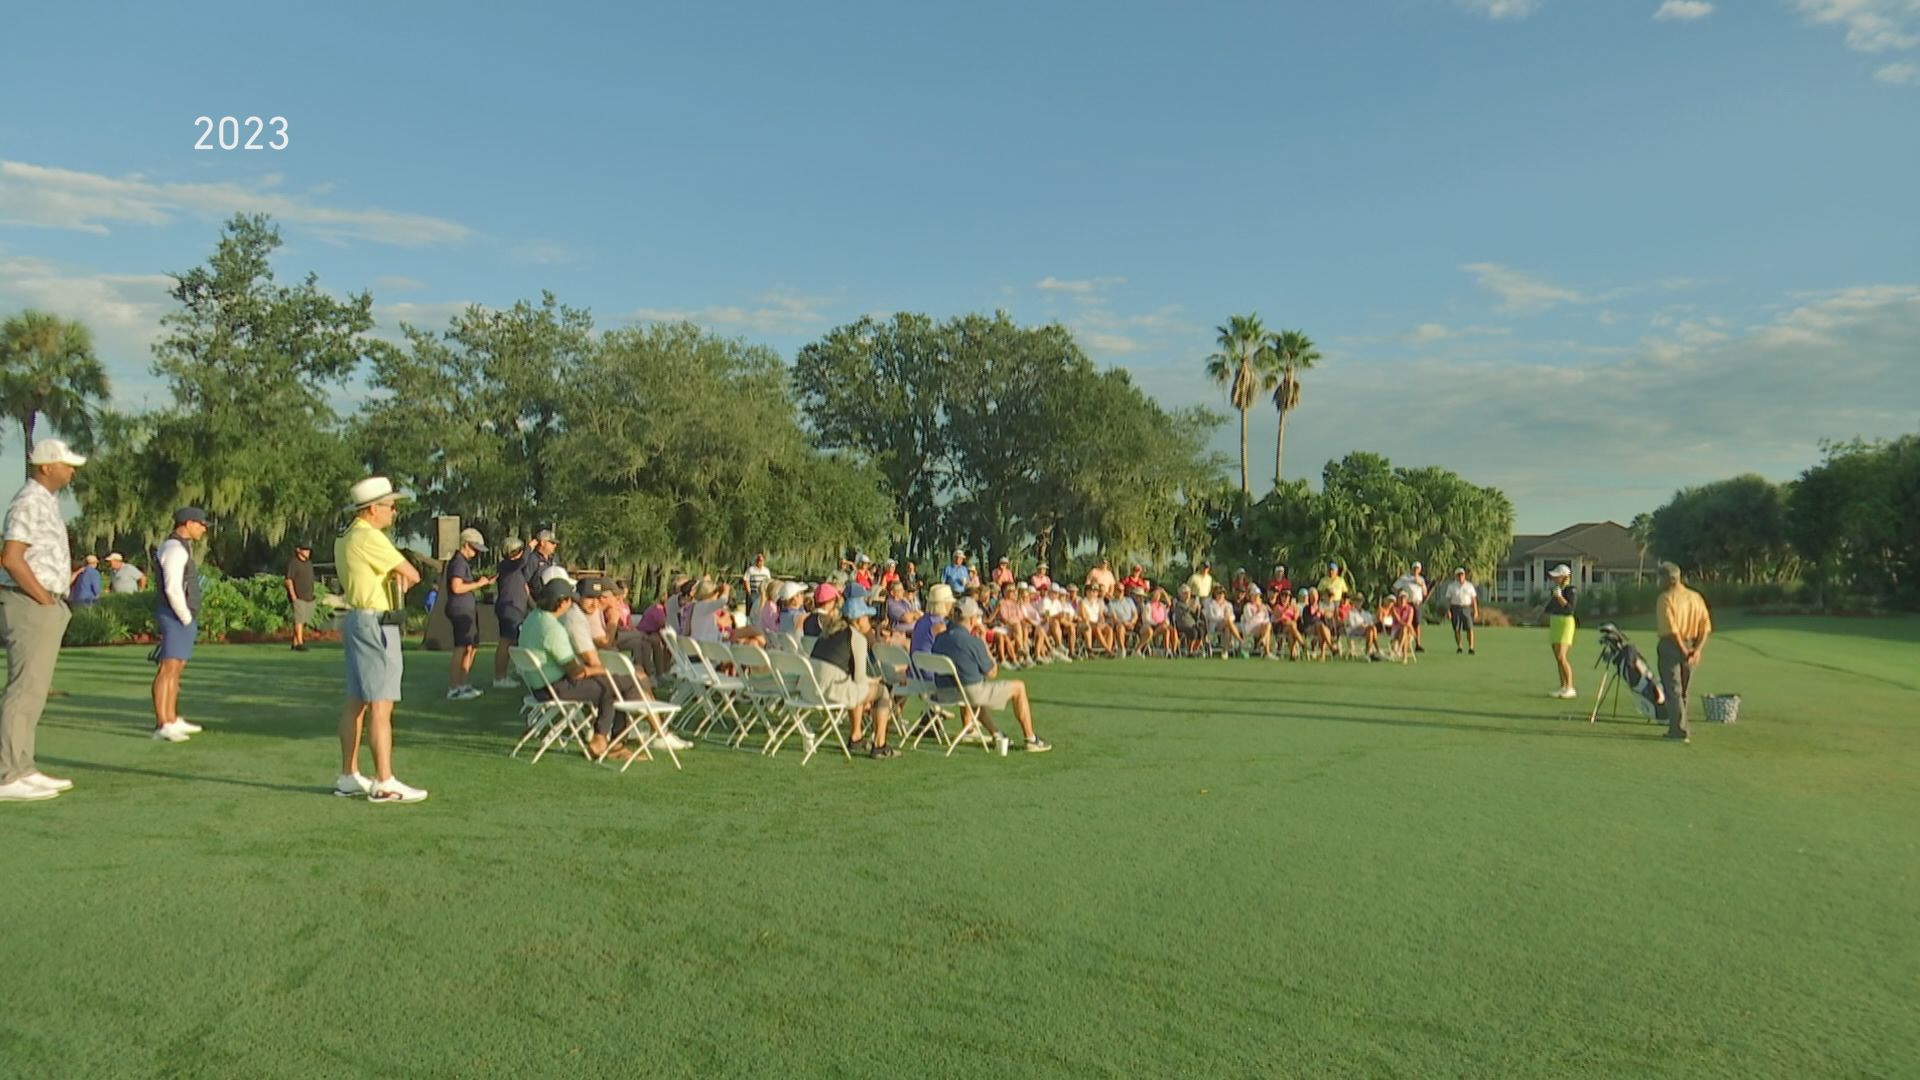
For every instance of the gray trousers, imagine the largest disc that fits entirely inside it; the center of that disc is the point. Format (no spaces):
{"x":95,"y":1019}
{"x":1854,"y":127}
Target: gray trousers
{"x":32,"y":635}
{"x":1675,"y":677}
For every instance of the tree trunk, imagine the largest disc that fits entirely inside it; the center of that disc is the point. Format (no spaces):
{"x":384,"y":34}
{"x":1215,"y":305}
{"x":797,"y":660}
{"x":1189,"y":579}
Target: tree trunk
{"x":26,"y":441}
{"x":1246,"y":491}
{"x":1279,"y":445}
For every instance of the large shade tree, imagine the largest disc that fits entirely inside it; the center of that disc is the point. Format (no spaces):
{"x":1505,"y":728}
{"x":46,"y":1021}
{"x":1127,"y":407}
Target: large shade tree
{"x":48,"y":372}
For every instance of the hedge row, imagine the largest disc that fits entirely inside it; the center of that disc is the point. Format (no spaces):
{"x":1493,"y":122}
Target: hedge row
{"x":256,"y":605}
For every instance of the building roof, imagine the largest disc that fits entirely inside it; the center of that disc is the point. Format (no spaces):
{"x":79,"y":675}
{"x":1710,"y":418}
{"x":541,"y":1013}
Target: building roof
{"x":1606,"y":544}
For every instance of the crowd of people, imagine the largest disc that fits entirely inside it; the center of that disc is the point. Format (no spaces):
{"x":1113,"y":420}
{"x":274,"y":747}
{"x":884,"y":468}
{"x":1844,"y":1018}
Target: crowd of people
{"x":980,"y":626}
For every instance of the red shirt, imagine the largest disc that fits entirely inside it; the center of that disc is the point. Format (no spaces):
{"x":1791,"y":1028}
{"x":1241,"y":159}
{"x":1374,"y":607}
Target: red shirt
{"x":865,"y":578}
{"x":889,"y":578}
{"x":1132,"y":582}
{"x":1279,"y":586}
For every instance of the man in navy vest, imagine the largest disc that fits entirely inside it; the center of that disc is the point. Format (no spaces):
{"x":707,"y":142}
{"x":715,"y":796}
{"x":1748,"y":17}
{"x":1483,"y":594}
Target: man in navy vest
{"x":176,"y":621}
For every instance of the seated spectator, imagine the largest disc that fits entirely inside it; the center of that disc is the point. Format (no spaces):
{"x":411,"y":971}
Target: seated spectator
{"x":1286,"y":626}
{"x":709,"y":600}
{"x":1123,"y":617}
{"x":1040,"y":579}
{"x":849,"y":678}
{"x":1256,"y":625}
{"x":1159,"y":632}
{"x":545,"y":637}
{"x":1135,"y":581}
{"x":1278,"y":586}
{"x":825,"y":618}
{"x":1189,"y":621}
{"x":1359,"y":624}
{"x":977,"y":675}
{"x":1315,"y":625}
{"x":586,"y":632}
{"x":1008,"y":635}
{"x":1093,"y":620}
{"x":1223,"y":630}
{"x":793,"y":607}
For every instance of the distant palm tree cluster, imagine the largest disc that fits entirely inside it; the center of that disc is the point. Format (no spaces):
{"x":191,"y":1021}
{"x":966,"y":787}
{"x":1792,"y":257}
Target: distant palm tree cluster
{"x":1253,"y":360}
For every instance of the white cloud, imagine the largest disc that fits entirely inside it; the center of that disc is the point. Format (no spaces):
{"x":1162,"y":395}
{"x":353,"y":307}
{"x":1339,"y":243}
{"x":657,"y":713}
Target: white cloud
{"x":1683,"y":11}
{"x":396,"y":283}
{"x":1502,"y":9}
{"x":1903,"y":74}
{"x":1520,"y":291}
{"x":122,"y":311}
{"x":1105,"y":334}
{"x":775,"y":312}
{"x":1082,"y":290}
{"x":1872,"y":25}
{"x":46,"y":197}
{"x":1702,"y":400}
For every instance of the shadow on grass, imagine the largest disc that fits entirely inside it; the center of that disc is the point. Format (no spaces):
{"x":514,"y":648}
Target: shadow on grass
{"x":202,"y":778}
{"x":1583,"y":731}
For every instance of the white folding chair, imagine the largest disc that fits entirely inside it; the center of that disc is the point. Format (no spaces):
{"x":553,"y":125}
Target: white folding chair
{"x":973,"y":722}
{"x":551,"y":719}
{"x":905,"y":684}
{"x":718,"y":692}
{"x":639,"y":713}
{"x":805,"y":698}
{"x":766,"y":692}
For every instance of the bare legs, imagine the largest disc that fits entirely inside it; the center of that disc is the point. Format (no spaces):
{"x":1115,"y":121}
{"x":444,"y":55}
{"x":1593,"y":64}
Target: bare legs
{"x":460,"y":666}
{"x":1566,"y":668}
{"x":379,"y":717}
{"x":166,"y":692}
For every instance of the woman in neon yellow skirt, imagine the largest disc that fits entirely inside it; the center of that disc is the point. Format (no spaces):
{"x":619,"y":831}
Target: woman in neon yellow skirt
{"x":1560,"y":625}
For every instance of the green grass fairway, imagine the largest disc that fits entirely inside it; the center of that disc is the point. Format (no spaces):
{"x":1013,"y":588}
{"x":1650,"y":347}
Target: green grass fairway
{"x":1224,"y":869}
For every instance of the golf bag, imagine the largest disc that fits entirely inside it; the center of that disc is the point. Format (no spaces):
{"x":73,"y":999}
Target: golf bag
{"x":1622,"y":660}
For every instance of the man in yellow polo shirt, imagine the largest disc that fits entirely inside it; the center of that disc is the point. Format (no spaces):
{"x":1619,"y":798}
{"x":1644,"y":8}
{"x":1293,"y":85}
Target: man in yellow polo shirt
{"x":374,"y":576}
{"x":1681,"y":619}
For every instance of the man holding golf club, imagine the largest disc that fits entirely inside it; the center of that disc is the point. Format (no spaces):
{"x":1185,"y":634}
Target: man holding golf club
{"x":1682,"y":621}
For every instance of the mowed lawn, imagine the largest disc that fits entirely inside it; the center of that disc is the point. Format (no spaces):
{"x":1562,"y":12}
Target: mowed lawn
{"x":1225,"y":868}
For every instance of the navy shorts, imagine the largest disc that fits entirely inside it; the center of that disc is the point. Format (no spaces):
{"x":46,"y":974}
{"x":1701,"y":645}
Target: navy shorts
{"x":466,"y":629}
{"x":176,"y":637}
{"x":509,"y":624}
{"x":1462,"y":617}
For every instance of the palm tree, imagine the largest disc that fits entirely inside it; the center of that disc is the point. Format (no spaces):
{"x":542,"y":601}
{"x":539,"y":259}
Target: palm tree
{"x":1291,"y":352}
{"x":48,"y":372}
{"x":1237,"y":366}
{"x":1642,"y":530}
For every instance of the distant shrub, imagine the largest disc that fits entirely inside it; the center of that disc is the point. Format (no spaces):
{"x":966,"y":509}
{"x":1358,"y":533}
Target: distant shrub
{"x":95,"y":624}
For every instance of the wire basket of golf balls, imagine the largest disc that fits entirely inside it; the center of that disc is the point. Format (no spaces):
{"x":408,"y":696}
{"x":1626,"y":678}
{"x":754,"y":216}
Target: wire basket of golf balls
{"x":1723,"y":708}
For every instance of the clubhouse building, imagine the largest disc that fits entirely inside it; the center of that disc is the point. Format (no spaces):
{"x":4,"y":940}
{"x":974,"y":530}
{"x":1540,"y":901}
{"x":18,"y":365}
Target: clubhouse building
{"x":1600,"y":553}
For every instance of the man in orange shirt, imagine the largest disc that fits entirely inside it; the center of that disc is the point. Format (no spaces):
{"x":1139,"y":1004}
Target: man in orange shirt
{"x":1684,"y":626}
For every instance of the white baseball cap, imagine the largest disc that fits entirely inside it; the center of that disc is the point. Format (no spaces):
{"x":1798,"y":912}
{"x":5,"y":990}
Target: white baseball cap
{"x":555,"y":573}
{"x":55,"y":452}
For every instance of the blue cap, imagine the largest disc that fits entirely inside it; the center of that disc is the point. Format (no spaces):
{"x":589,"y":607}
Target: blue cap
{"x":857,"y":608}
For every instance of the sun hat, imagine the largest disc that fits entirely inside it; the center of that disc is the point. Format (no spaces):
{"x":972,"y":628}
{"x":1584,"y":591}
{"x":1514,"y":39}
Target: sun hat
{"x":827,"y":593}
{"x":706,"y":590}
{"x":373,"y":490}
{"x":55,"y":452}
{"x":1563,"y":570}
{"x":472,"y":536}
{"x":857,"y":608}
{"x":940,"y":598}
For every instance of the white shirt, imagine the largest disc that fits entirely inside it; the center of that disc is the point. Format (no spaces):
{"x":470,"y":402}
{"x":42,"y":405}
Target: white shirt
{"x":757,"y":578}
{"x":1252,"y":617}
{"x":1219,"y":611}
{"x":33,"y":519}
{"x":173,"y":564}
{"x":1461,"y":593}
{"x":1415,"y":588}
{"x":579,"y":630}
{"x":704,"y":626}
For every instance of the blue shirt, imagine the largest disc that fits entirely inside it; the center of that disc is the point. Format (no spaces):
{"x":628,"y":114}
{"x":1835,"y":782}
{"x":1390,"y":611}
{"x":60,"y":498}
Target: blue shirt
{"x":955,"y":577}
{"x":86,"y":587}
{"x":923,"y":633}
{"x":969,"y":656}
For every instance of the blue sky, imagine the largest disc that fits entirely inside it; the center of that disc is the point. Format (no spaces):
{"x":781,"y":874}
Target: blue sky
{"x":1586,"y":251}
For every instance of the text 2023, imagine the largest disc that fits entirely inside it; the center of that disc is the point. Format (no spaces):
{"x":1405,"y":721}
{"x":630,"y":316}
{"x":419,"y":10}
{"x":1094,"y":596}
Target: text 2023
{"x":225,"y":132}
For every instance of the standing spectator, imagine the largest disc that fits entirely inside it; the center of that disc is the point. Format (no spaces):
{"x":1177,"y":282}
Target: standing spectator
{"x":176,"y":614}
{"x":889,"y":575}
{"x":1682,"y":621}
{"x":463,"y":614}
{"x":1463,"y":607}
{"x":543,"y":554}
{"x":911,"y":578}
{"x":1102,"y":575}
{"x":1560,"y":625}
{"x":86,"y":583}
{"x":123,"y":576}
{"x":373,"y":575}
{"x":1135,"y":581}
{"x":512,"y":600}
{"x":1278,"y":585}
{"x":1201,"y":583}
{"x":299,"y":582}
{"x":757,"y":576}
{"x":35,"y":565}
{"x":955,"y":574}
{"x":1414,"y":584}
{"x":1335,"y":586}
{"x":863,"y":572}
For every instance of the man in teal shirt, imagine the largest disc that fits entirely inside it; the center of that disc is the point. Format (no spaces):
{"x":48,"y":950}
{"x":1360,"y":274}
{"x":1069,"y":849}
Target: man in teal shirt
{"x":568,"y":677}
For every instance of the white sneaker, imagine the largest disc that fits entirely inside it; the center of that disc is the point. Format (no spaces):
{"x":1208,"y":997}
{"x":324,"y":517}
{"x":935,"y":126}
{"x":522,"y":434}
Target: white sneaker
{"x":504,"y":684}
{"x":393,"y":791}
{"x":51,"y":783}
{"x":172,"y":732}
{"x":25,"y":790}
{"x":670,"y":741}
{"x":191,"y":729}
{"x":350,"y":784}
{"x":1566,"y":692}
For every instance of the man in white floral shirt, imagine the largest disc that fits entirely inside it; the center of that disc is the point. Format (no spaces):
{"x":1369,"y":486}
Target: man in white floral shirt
{"x":35,"y":566}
